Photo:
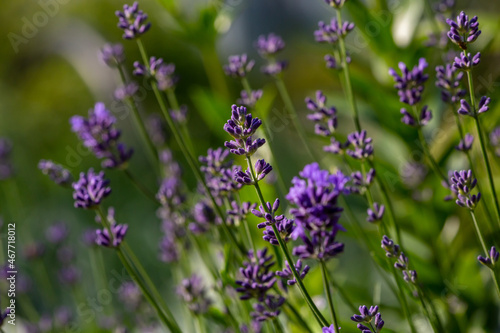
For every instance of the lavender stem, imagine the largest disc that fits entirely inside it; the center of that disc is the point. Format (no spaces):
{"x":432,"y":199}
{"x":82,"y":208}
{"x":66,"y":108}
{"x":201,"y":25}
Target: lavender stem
{"x":328,"y":293}
{"x":148,"y":194}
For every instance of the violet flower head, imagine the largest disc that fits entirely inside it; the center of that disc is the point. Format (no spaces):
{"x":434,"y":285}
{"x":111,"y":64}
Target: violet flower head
{"x":375,"y":213}
{"x":321,"y":245}
{"x":269,"y":45}
{"x":362,"y":145}
{"x":57,"y":233}
{"x":90,"y":189}
{"x":287,"y":275}
{"x":165,"y":77}
{"x":215,"y":161}
{"x":169,"y":192}
{"x":130,"y":295}
{"x":331,"y":33}
{"x":249,"y":100}
{"x":257,"y":279}
{"x":367,"y":316}
{"x":237,"y":213}
{"x":179,"y":116}
{"x":359,"y":183}
{"x":410,"y":84}
{"x":274,"y":68}
{"x":267,"y":309}
{"x":194,"y":294}
{"x":204,"y":217}
{"x":132,"y":21}
{"x":219,"y":172}
{"x":448,"y":80}
{"x":465,"y":144}
{"x":423,"y":118}
{"x":57,"y":173}
{"x":466,"y":110}
{"x":495,"y":140}
{"x":466,"y":62}
{"x":113,"y":55}
{"x":325,"y":118}
{"x":491,"y":259}
{"x":6,"y":169}
{"x":462,"y":184}
{"x":238,"y":66}
{"x":393,"y":251}
{"x":241,"y":127}
{"x":99,"y":135}
{"x":169,"y":251}
{"x":337,"y":4}
{"x":125,"y":92}
{"x":285,"y":229}
{"x":463,"y":31}
{"x":336,"y":147}
{"x":118,"y":232}
{"x":329,"y":329}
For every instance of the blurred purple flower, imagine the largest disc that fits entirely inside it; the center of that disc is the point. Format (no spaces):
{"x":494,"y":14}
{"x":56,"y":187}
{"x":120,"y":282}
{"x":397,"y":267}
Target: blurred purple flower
{"x":112,"y":55}
{"x":194,"y":294}
{"x":241,"y":127}
{"x":330,"y":33}
{"x":466,"y":62}
{"x":491,"y":258}
{"x":57,"y":233}
{"x":465,"y":144}
{"x":57,"y":173}
{"x":410,"y":84}
{"x":495,"y":140}
{"x":132,"y":21}
{"x":462,"y":184}
{"x":238,"y":66}
{"x":448,"y":80}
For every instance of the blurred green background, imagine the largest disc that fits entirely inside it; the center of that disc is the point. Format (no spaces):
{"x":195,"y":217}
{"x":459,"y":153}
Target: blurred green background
{"x":50,"y":71}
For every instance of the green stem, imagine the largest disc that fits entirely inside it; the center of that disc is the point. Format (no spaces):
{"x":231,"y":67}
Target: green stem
{"x":298,"y":316}
{"x":319,"y":317}
{"x":482,"y":143}
{"x":190,"y":159}
{"x":402,"y":298}
{"x":436,"y":318}
{"x":293,"y":114}
{"x":328,"y":293}
{"x":347,"y":77}
{"x":277,"y":325}
{"x":426,"y":311}
{"x":148,"y":194}
{"x":174,"y":104}
{"x":213,"y":68}
{"x":200,"y":327}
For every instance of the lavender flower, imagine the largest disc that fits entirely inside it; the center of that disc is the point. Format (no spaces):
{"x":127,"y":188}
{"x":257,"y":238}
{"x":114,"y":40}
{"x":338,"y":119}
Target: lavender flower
{"x":6,"y":169}
{"x":393,"y":250}
{"x":331,"y":62}
{"x":376,"y":213}
{"x":268,"y":309}
{"x":156,"y":128}
{"x":57,"y":233}
{"x":423,"y":119}
{"x":410,"y":84}
{"x":336,"y":147}
{"x":194,"y":294}
{"x":463,"y":31}
{"x":330,"y":33}
{"x":286,"y":274}
{"x":337,"y":4}
{"x":466,"y":62}
{"x":325,"y":118}
{"x":490,"y":260}
{"x":130,"y":295}
{"x":359,"y":183}
{"x":125,"y":92}
{"x":238,"y":66}
{"x":179,"y":116}
{"x":118,"y":232}
{"x":362,"y":144}
{"x":274,"y":68}
{"x":462,"y":184}
{"x":57,"y":173}
{"x":495,"y":140}
{"x":466,"y":110}
{"x":241,"y":127}
{"x":89,"y":237}
{"x":162,"y":73}
{"x":132,"y":21}
{"x":270,"y":45}
{"x":321,"y":246}
{"x":204,"y":216}
{"x":98,"y":134}
{"x":366,"y":316}
{"x":168,"y":193}
{"x":329,"y":329}
{"x":238,"y":212}
{"x":285,"y":229}
{"x":257,"y":279}
{"x":113,"y":55}
{"x":465,"y":144}
{"x":448,"y":80}
{"x":90,"y":189}
{"x":249,"y":100}
{"x":168,"y":249}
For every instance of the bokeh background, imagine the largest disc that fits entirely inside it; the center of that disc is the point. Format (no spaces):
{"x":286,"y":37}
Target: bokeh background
{"x":50,"y":71}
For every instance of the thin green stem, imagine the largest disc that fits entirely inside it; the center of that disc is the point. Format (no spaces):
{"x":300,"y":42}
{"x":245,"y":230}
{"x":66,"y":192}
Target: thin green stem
{"x":328,"y":293}
{"x":297,"y":316}
{"x":319,"y":317}
{"x":426,"y":311}
{"x":277,"y":325}
{"x":436,"y":318}
{"x":482,"y":142}
{"x":402,"y":298}
{"x":200,"y":326}
{"x":147,"y":193}
{"x":293,"y":114}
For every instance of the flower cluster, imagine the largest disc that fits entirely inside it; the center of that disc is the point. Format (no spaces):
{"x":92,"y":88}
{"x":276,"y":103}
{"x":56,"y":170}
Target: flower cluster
{"x":286,"y":274}
{"x":410,"y":84}
{"x":362,"y":145}
{"x":359,"y":183}
{"x":219,"y":172}
{"x":112,"y":55}
{"x":194,"y":294}
{"x":392,"y":251}
{"x":331,"y":33}
{"x":337,"y":4}
{"x":238,"y":66}
{"x":462,"y":184}
{"x":90,"y":189}
{"x":492,"y":258}
{"x":249,"y":100}
{"x":132,"y":21}
{"x":238,"y":212}
{"x":284,"y":226}
{"x":125,"y":92}
{"x":314,"y":196}
{"x":268,"y":47}
{"x":241,"y":127}
{"x":463,"y":31}
{"x":163,"y":73}
{"x":325,"y":118}
{"x":376,"y":213}
{"x":466,"y":143}
{"x":423,"y":118}
{"x":57,"y":173}
{"x":99,"y":134}
{"x":466,"y":110}
{"x":366,"y":316}
{"x":448,"y":80}
{"x":465,"y":62}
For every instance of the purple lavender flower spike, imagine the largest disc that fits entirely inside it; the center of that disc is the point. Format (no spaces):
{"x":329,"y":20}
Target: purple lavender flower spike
{"x":194,"y":294}
{"x":462,"y":184}
{"x":270,"y":45}
{"x":169,"y":192}
{"x":241,"y":127}
{"x":238,"y":213}
{"x":448,"y":80}
{"x":362,"y":144}
{"x":6,"y":169}
{"x":249,"y":100}
{"x":274,"y":68}
{"x":257,"y":279}
{"x":285,"y":229}
{"x":320,"y":246}
{"x":483,"y":105}
{"x":325,"y":118}
{"x":204,"y":216}
{"x":367,"y":316}
{"x":262,"y":168}
{"x":330,"y":33}
{"x":359,"y":184}
{"x":492,"y":258}
{"x":267,"y":309}
{"x":268,"y":213}
{"x":410,"y":84}
{"x":118,"y":232}
{"x":130,"y":295}
{"x":90,"y":189}
{"x":165,"y":77}
{"x":132,"y":21}
{"x":168,"y":249}
{"x":238,"y":66}
{"x":495,"y":140}
{"x":337,"y":4}
{"x":336,"y":147}
{"x":329,"y":329}
{"x":57,"y":173}
{"x":112,"y":55}
{"x":391,"y":249}
{"x":465,"y":144}
{"x":466,"y":62}
{"x":376,"y":213}
{"x":331,"y":62}
{"x":463,"y":31}
{"x":125,"y":92}
{"x":286,"y":274}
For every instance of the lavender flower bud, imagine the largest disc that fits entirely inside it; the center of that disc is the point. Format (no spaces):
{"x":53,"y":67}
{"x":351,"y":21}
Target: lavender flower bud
{"x":325,"y":118}
{"x":463,"y":31}
{"x":90,"y":189}
{"x":286,"y":274}
{"x":57,"y":173}
{"x":268,"y":308}
{"x":270,"y":45}
{"x":466,"y":62}
{"x":257,"y":279}
{"x":462,"y":183}
{"x":125,"y":92}
{"x":249,"y":101}
{"x":331,"y":62}
{"x":465,"y":144}
{"x":366,"y":316}
{"x":330,"y":329}
{"x":57,"y":233}
{"x":410,"y":84}
{"x":118,"y":232}
{"x":241,"y":127}
{"x":113,"y":55}
{"x":337,"y":4}
{"x":448,"y":80}
{"x":330,"y":33}
{"x":491,"y":260}
{"x":363,"y":147}
{"x":132,"y":21}
{"x":495,"y":140}
{"x":168,"y":249}
{"x":375,"y":214}
{"x":194,"y":294}
{"x":238,"y":66}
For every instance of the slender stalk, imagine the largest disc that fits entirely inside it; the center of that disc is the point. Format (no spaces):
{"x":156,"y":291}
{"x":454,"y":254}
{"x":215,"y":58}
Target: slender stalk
{"x":319,"y":317}
{"x":277,"y":326}
{"x":293,"y":114}
{"x":147,"y":193}
{"x":174,"y":104}
{"x":402,"y":299}
{"x":190,"y":159}
{"x":200,"y":327}
{"x":482,"y":143}
{"x":328,"y":293}
{"x":426,"y":311}
{"x":436,"y":318}
{"x":298,"y":316}
{"x":213,"y":68}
